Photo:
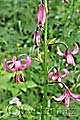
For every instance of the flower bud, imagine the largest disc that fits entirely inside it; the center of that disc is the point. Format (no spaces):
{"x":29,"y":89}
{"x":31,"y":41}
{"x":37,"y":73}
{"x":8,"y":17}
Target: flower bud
{"x":37,"y":38}
{"x":41,"y":15}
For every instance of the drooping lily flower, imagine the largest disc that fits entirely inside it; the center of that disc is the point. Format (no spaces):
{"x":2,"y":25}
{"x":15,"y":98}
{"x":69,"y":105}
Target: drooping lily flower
{"x":17,"y":65}
{"x":41,"y":15}
{"x":56,"y":75}
{"x":65,"y":97}
{"x":68,"y":54}
{"x":37,"y":38}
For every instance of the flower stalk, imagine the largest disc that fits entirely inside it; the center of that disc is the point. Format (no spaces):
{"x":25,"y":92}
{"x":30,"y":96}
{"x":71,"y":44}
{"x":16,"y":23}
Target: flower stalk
{"x":45,"y":67}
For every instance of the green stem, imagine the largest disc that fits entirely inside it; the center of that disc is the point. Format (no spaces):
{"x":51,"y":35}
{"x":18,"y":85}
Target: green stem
{"x":20,"y":28}
{"x":60,"y":43}
{"x":45,"y":69}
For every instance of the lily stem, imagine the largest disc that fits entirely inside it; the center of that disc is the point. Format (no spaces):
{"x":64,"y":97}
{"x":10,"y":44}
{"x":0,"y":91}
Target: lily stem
{"x":44,"y":105}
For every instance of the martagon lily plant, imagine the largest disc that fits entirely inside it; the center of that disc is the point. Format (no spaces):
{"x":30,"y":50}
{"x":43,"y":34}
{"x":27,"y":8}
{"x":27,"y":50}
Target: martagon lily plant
{"x":16,"y":65}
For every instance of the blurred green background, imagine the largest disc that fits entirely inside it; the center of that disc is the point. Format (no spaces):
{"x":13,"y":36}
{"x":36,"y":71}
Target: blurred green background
{"x":17,"y":25}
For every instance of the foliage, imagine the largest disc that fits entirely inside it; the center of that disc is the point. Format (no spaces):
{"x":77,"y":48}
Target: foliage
{"x":17,"y":25}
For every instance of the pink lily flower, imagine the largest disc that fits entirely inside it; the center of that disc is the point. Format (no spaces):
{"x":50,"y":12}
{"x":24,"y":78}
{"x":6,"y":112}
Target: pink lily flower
{"x":68,"y":54}
{"x":56,"y":75}
{"x":17,"y":65}
{"x":65,"y":97}
{"x":37,"y":38}
{"x":41,"y":15}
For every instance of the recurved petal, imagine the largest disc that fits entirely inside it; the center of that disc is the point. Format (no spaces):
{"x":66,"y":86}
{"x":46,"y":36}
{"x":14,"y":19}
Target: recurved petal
{"x":59,"y":52}
{"x":27,"y":62}
{"x":50,"y":75}
{"x":66,"y":72}
{"x":76,"y":49}
{"x":55,"y":70}
{"x":7,"y":67}
{"x":14,"y":59}
{"x":59,"y":99}
{"x":74,"y":96}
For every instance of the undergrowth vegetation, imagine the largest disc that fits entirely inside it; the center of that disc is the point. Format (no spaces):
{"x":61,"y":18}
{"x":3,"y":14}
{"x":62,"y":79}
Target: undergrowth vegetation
{"x":34,"y":93}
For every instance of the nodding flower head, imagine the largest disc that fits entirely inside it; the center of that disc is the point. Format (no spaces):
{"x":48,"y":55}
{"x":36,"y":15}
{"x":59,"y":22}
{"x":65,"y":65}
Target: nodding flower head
{"x":37,"y":38}
{"x":65,"y":97}
{"x":56,"y":75}
{"x":68,"y":54}
{"x":41,"y":15}
{"x":17,"y":65}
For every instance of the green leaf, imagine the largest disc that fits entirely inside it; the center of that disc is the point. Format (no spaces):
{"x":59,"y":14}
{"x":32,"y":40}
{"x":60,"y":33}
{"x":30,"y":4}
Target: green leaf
{"x":26,"y":107}
{"x":52,"y":41}
{"x":31,"y":84}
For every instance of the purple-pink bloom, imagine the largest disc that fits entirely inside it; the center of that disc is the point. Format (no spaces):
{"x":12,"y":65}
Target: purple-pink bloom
{"x":65,"y":97}
{"x":37,"y":38}
{"x":17,"y":65}
{"x":68,"y":54}
{"x":41,"y":15}
{"x":56,"y":75}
